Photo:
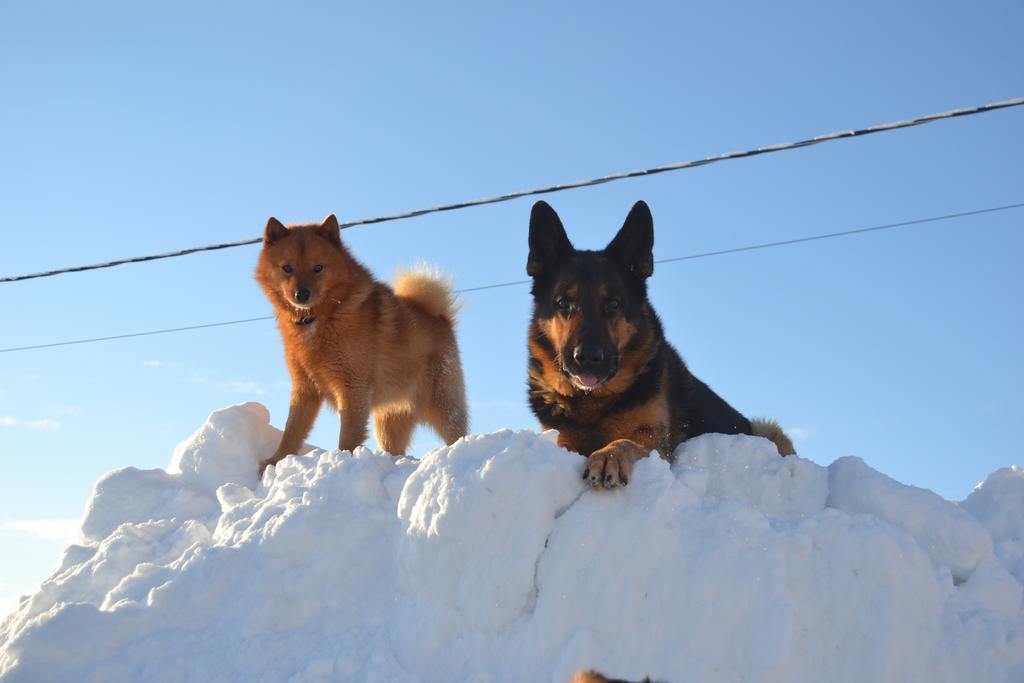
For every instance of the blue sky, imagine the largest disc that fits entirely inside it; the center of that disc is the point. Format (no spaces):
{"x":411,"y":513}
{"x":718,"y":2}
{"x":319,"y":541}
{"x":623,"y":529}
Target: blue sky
{"x":133,"y":128}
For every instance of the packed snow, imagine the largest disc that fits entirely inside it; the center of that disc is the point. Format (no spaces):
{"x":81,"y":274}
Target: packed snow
{"x":490,"y":561}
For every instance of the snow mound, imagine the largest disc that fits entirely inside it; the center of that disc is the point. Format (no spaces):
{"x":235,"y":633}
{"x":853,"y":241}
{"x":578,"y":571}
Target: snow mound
{"x":950,"y":536}
{"x":999,"y":504}
{"x":490,"y":562}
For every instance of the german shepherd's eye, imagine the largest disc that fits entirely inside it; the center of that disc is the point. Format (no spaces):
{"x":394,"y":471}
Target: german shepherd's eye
{"x":612,"y":306}
{"x":287,"y":269}
{"x":317,"y":268}
{"x":563,"y":304}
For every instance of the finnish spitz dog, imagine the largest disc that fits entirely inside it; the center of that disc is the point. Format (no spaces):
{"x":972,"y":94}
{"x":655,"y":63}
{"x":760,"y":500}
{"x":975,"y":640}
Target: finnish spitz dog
{"x":600,"y":369}
{"x":359,"y":345}
{"x":596,"y":677}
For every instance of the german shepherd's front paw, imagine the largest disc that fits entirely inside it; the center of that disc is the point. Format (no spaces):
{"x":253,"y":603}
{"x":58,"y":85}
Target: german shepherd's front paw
{"x":612,"y":466}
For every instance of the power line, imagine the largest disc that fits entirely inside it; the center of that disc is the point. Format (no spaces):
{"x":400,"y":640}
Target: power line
{"x":722,"y":252}
{"x":968,"y":111}
{"x":844,"y":233}
{"x":136,"y":334}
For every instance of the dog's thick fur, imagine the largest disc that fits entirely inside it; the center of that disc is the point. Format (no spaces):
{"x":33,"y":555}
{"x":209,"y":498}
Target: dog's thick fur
{"x":595,"y":677}
{"x":601,"y":371}
{"x":353,"y":342}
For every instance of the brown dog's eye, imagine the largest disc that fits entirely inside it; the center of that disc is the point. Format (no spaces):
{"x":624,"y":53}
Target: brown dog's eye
{"x":563,"y":304}
{"x":612,"y":306}
{"x":317,"y":268}
{"x":286,"y":269}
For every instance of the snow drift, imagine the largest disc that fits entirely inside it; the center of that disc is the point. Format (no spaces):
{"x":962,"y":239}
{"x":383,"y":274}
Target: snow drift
{"x":491,"y":562}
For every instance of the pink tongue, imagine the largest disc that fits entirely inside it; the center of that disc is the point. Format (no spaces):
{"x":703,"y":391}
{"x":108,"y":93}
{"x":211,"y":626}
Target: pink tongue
{"x":587,"y":380}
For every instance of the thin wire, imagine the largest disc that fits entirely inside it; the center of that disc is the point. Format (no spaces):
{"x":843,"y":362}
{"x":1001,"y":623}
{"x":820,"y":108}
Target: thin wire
{"x":844,"y":233}
{"x":751,"y":247}
{"x":136,"y":334}
{"x":968,"y":111}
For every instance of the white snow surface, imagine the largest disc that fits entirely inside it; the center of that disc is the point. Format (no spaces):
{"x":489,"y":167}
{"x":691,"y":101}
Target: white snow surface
{"x":490,"y":561}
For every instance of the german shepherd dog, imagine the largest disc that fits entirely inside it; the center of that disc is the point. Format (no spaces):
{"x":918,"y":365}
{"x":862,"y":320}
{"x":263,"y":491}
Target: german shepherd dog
{"x":359,"y":345}
{"x":600,"y":369}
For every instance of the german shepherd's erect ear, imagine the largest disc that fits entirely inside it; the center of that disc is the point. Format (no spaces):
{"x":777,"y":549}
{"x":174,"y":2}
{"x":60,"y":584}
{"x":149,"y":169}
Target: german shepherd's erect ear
{"x":633,"y":246}
{"x":548,"y":241}
{"x":274,"y":231}
{"x":330,"y":230}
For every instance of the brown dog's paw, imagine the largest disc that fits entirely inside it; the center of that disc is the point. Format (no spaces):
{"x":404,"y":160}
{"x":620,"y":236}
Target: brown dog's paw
{"x":612,"y":466}
{"x":264,"y":464}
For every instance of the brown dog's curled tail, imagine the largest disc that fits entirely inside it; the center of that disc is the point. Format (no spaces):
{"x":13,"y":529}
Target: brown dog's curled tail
{"x":429,"y":290}
{"x":771,"y":430}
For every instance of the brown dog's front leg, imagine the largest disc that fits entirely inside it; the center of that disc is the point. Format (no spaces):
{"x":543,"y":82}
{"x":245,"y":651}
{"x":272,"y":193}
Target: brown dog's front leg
{"x":355,"y":412}
{"x":301,"y":415}
{"x":612,"y":466}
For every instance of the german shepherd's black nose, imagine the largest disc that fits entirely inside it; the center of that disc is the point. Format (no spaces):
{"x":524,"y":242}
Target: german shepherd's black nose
{"x":302,"y":295}
{"x":587,"y":355}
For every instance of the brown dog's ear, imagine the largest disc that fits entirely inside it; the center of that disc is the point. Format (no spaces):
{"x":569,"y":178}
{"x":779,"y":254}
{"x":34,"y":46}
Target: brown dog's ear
{"x":548,"y":241}
{"x":274,"y":231}
{"x":633,"y":246}
{"x":330,"y":230}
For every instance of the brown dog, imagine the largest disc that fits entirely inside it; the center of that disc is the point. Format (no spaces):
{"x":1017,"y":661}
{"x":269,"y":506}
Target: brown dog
{"x":595,"y":677}
{"x":355,"y":343}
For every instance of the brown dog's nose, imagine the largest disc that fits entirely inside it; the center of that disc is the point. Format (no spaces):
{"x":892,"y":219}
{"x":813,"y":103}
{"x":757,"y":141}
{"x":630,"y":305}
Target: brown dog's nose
{"x":302,"y":295}
{"x":587,"y":355}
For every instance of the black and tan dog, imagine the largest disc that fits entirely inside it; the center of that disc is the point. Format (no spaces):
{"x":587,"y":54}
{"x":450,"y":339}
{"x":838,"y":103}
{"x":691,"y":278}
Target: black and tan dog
{"x":601,"y":371}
